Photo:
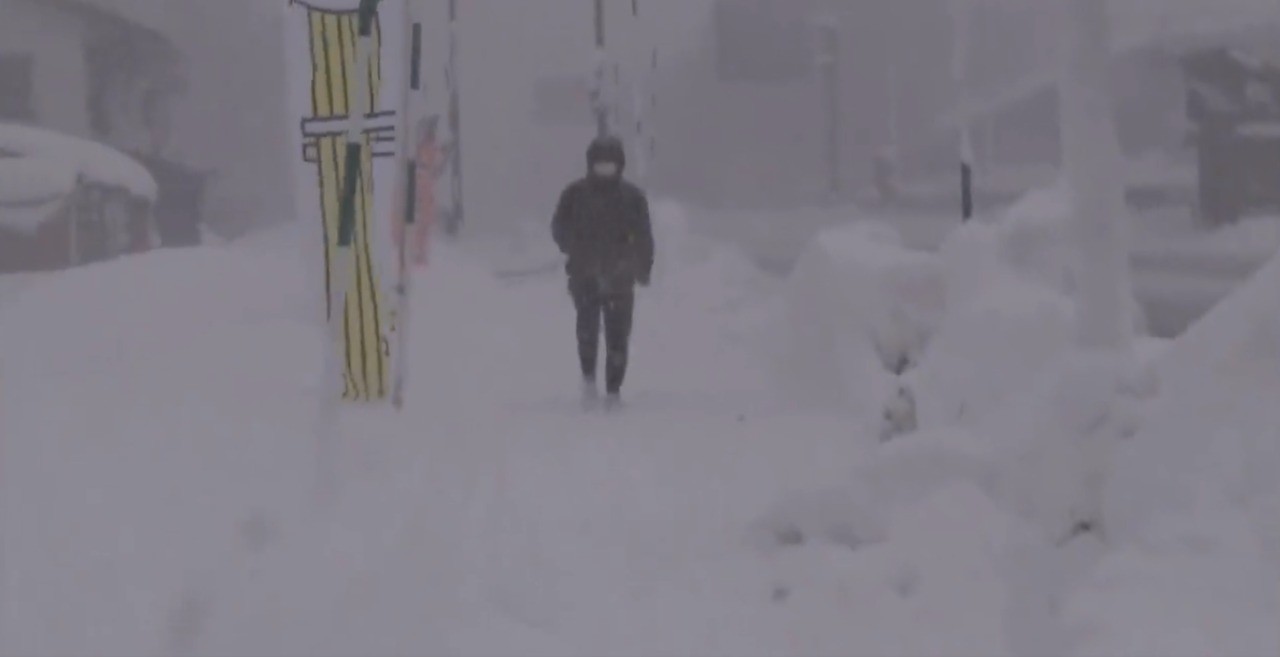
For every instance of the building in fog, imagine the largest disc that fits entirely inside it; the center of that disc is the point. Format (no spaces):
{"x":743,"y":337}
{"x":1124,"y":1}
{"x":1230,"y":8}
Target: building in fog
{"x":745,"y":117}
{"x":86,"y":77}
{"x":74,"y":67}
{"x":1015,"y":121}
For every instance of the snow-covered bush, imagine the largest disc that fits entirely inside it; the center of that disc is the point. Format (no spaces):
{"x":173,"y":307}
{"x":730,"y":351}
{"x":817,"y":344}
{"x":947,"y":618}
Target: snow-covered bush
{"x":1011,"y":309}
{"x":860,"y":308}
{"x":1036,"y":241}
{"x":988,"y":347}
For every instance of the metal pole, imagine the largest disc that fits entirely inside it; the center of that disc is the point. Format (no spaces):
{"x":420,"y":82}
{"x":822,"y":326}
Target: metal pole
{"x":828,"y":62}
{"x":891,"y":80}
{"x":642,"y":103}
{"x":457,"y":214}
{"x":959,"y":73}
{"x":408,"y":160}
{"x":598,"y":100}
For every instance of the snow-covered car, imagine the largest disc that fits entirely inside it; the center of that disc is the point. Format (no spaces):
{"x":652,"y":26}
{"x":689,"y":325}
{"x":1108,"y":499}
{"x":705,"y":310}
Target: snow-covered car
{"x":66,"y":201}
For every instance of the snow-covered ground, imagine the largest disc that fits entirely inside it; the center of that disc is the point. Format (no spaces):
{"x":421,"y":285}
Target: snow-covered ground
{"x":158,"y":416}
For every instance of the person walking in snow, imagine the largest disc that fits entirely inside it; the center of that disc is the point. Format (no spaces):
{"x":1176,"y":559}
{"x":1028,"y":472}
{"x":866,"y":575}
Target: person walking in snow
{"x":602,"y":226}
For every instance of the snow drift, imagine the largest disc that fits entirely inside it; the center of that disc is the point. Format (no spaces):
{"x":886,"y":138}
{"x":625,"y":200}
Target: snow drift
{"x":860,"y":308}
{"x":156,"y":419}
{"x":1213,"y":429}
{"x":1010,"y":311}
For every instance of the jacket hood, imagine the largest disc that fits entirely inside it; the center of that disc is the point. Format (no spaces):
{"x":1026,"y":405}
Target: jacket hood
{"x":607,"y":149}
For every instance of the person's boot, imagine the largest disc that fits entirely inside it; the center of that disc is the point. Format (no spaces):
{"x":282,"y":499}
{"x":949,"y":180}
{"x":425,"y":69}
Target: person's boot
{"x":590,"y":394}
{"x":612,"y":401}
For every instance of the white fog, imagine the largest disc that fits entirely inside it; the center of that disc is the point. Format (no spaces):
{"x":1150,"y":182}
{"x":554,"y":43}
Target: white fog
{"x":639,"y":327}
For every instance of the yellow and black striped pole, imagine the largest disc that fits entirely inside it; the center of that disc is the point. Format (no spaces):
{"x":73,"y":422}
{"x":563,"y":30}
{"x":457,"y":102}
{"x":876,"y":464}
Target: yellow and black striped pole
{"x":341,"y":137}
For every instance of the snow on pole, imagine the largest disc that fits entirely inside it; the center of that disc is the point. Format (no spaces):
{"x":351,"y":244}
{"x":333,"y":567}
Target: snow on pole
{"x":652,"y":146}
{"x":1093,"y":164}
{"x":644,"y":95}
{"x":960,"y":25}
{"x":827,"y":27}
{"x":457,"y":212}
{"x":892,"y":83}
{"x":639,"y":118}
{"x":356,"y":117}
{"x":408,"y":160}
{"x":343,"y":123}
{"x":599,"y":104}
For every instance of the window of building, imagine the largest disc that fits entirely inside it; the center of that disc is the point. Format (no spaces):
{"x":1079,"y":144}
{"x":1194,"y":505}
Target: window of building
{"x":17,"y":87}
{"x":763,"y":41}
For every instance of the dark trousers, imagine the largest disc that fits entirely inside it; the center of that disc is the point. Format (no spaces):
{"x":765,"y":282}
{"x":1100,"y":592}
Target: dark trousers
{"x":615,"y":307}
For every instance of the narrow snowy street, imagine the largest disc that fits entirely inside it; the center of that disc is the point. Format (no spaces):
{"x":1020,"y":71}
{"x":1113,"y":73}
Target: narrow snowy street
{"x":160,"y":448}
{"x":493,"y":501}
{"x":526,"y":517}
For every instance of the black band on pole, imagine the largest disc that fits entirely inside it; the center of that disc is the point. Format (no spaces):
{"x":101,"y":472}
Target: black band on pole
{"x":599,"y":23}
{"x":966,"y":191}
{"x":347,"y":211}
{"x":453,"y":10}
{"x":415,"y":64}
{"x":411,"y":196}
{"x":368,"y":9}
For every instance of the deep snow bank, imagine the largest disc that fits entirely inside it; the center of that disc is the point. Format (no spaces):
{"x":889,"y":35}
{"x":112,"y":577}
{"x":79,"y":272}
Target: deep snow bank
{"x":156,"y":416}
{"x":159,"y":416}
{"x":981,"y":317}
{"x":1010,"y":311}
{"x":1213,"y":429}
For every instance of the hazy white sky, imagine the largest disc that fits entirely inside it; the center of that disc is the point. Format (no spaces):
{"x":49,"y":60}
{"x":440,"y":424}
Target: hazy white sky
{"x":233,"y":118}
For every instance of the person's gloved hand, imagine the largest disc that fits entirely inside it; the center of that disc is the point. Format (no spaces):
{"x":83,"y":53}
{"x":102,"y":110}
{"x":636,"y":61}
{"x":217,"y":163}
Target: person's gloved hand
{"x":643,"y":279}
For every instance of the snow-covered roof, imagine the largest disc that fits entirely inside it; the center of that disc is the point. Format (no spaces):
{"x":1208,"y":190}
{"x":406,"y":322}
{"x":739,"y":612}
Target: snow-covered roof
{"x":330,"y":5}
{"x":71,"y":156}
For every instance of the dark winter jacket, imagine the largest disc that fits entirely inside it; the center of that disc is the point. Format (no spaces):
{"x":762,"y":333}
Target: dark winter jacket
{"x":602,"y":225}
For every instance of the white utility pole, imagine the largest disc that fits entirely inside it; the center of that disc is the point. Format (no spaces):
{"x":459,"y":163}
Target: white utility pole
{"x":960,"y":26}
{"x":1095,"y":172}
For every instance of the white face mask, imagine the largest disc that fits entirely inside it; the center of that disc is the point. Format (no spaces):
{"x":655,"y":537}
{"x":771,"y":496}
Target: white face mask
{"x":605,"y":169}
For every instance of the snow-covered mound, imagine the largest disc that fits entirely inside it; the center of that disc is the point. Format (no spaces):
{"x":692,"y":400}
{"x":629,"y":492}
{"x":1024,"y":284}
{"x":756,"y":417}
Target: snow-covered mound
{"x":860,"y":308}
{"x":156,"y":419}
{"x":159,"y":428}
{"x":1198,"y":583}
{"x":999,"y":330}
{"x":96,"y":162}
{"x":1009,"y":310}
{"x":1035,"y":239}
{"x":674,"y":243}
{"x":1213,"y":431}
